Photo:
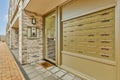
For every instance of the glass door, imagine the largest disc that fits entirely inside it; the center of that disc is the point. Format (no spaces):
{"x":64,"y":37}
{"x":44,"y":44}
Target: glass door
{"x":50,"y":37}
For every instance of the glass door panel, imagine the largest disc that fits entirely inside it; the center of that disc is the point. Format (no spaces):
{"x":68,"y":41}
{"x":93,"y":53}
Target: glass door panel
{"x":50,"y":37}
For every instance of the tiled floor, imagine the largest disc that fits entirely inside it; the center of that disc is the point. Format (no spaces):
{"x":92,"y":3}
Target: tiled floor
{"x":8,"y":67}
{"x":36,"y":72}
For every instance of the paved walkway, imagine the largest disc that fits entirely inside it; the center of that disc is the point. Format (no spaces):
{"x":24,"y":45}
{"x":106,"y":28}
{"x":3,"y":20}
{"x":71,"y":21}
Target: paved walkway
{"x":8,"y":67}
{"x":35,"y":71}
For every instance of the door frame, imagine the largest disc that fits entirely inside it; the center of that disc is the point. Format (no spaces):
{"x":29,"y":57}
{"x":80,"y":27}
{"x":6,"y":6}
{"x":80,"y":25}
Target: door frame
{"x":44,"y":37}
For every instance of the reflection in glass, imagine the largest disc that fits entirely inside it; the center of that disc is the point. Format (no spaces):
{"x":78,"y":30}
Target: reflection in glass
{"x":50,"y":36}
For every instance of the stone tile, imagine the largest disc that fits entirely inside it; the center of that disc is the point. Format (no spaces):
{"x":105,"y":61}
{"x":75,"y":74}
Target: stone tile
{"x":40,"y":61}
{"x":51,"y":78}
{"x":39,"y":71}
{"x":30,"y":70}
{"x":33,"y":63}
{"x":38,"y":67}
{"x":60,"y":74}
{"x":68,"y":77}
{"x":63,"y":71}
{"x":29,"y":67}
{"x":37,"y":78}
{"x":76,"y":78}
{"x":54,"y":70}
{"x":25,"y":66}
{"x":42,"y":70}
{"x":46,"y":74}
{"x":49,"y":68}
{"x":33,"y":74}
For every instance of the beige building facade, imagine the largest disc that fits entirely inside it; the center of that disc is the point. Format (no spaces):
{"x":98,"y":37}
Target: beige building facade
{"x":80,"y":36}
{"x":2,"y":38}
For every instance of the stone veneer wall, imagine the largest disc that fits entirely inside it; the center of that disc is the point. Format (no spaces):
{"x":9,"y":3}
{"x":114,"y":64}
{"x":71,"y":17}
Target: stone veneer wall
{"x":32,"y":49}
{"x":14,"y":38}
{"x":8,"y":39}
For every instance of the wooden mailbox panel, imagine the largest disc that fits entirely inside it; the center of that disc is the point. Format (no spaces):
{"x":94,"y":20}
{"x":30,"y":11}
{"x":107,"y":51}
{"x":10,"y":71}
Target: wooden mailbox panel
{"x":92,"y":35}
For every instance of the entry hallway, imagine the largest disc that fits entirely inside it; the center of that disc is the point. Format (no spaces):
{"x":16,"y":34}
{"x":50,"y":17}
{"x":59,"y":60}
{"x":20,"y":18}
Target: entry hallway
{"x":8,"y":67}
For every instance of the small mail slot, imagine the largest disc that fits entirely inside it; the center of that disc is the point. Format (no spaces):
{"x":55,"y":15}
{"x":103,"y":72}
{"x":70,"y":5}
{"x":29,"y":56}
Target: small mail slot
{"x":106,"y":13}
{"x":105,"y":20}
{"x":104,"y":34}
{"x":105,"y":55}
{"x":91,"y":35}
{"x":104,"y":48}
{"x":91,"y":41}
{"x":105,"y":41}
